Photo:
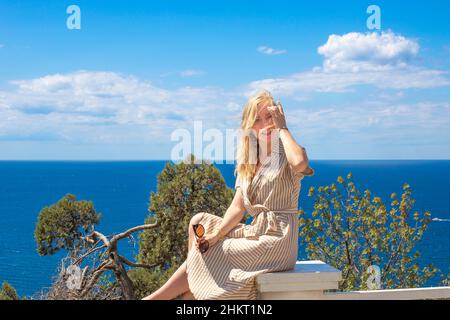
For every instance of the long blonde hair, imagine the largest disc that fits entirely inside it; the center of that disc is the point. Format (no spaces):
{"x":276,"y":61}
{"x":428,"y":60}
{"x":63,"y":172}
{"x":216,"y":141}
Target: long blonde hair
{"x":246,"y":157}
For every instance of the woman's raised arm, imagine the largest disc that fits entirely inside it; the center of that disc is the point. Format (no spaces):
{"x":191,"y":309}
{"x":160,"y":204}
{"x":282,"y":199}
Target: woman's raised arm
{"x":295,"y":154}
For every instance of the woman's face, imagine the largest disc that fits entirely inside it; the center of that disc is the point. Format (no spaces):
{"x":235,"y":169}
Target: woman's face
{"x":264,"y":124}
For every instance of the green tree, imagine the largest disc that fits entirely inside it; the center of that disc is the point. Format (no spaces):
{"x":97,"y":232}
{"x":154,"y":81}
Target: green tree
{"x":183,"y":190}
{"x":351,"y":231}
{"x":93,"y":267}
{"x":7,"y":292}
{"x":63,"y":225}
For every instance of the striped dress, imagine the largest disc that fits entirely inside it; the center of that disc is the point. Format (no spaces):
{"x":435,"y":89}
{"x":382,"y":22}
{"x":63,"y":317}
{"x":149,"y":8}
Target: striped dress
{"x":228,"y":269}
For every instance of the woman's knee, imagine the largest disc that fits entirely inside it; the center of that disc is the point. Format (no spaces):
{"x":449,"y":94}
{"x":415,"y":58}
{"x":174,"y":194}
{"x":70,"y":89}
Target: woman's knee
{"x":196,"y":218}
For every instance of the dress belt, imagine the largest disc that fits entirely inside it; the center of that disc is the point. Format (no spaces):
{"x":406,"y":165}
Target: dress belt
{"x":268,"y":222}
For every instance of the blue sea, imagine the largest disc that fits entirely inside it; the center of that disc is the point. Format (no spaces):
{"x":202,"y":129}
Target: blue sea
{"x":120,"y":191}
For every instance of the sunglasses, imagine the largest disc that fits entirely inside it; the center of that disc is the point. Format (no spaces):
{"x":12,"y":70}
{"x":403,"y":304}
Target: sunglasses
{"x":199,"y":232}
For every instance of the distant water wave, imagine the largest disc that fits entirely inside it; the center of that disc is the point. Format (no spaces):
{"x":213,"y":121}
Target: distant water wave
{"x":440,"y":220}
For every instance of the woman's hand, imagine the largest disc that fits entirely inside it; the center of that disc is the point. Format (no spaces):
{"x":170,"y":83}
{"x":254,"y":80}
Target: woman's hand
{"x":279,"y":120}
{"x":212,"y":238}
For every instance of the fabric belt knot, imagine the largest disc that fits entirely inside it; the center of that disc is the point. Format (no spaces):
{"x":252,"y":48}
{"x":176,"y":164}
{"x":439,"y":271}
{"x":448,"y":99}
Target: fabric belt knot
{"x":268,"y":221}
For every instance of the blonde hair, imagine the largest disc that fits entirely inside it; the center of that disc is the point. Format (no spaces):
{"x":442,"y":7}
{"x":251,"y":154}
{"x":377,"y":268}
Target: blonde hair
{"x":246,"y":157}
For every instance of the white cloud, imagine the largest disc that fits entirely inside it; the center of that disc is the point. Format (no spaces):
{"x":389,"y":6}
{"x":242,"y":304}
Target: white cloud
{"x":380,"y":60}
{"x":270,"y":51}
{"x":365,"y":130}
{"x":370,"y":130}
{"x":371,"y":51}
{"x":324,"y":81}
{"x":191,"y":73}
{"x":102,"y":93}
{"x":83,"y":102}
{"x":385,"y":117}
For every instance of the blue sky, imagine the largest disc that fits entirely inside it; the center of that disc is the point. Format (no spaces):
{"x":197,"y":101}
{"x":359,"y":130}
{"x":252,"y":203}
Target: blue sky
{"x":139,"y":70}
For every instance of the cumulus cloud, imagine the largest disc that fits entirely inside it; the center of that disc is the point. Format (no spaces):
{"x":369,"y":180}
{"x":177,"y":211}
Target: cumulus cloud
{"x":91,"y":101}
{"x":358,"y":51}
{"x":103,"y":93}
{"x":270,"y":51}
{"x":406,"y":118}
{"x":381,"y":60}
{"x":319,"y":80}
{"x":375,"y":129}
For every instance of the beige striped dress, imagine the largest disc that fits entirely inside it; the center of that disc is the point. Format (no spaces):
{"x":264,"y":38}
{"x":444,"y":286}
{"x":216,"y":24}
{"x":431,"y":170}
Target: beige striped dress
{"x":228,"y":269}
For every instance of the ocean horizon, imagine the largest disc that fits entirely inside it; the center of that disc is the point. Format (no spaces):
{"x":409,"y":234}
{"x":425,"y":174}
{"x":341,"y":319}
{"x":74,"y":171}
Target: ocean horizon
{"x":120,"y":190}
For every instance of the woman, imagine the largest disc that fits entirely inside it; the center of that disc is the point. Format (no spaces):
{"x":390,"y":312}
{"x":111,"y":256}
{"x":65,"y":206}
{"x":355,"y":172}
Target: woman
{"x":268,"y":189}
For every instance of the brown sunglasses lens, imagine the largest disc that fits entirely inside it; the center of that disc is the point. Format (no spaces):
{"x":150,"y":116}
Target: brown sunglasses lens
{"x":204,"y":246}
{"x":199,"y":230}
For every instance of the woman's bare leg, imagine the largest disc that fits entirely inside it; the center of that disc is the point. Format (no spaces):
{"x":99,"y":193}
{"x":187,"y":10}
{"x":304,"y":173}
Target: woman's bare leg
{"x":187,"y":296}
{"x":177,"y":284}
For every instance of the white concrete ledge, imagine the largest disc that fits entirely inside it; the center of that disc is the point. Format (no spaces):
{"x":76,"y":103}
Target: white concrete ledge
{"x":307,"y":276}
{"x":310,"y":279}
